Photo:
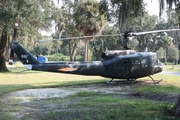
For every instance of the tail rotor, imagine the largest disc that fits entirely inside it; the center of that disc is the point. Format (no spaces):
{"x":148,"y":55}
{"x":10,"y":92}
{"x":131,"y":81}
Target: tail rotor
{"x":11,"y":58}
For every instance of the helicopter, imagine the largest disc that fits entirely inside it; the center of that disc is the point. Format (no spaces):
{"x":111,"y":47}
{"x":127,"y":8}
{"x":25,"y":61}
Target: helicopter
{"x":115,"y":64}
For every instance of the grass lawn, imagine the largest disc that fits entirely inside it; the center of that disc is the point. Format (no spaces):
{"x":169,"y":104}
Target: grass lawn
{"x":172,"y":67}
{"x":19,"y":78}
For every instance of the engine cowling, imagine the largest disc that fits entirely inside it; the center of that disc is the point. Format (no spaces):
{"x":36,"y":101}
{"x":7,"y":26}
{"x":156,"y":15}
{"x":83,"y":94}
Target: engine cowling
{"x":114,"y":53}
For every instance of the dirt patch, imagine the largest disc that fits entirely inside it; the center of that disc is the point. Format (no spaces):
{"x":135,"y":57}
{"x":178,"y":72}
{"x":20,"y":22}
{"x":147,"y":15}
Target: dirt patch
{"x":34,"y":102}
{"x":44,"y":93}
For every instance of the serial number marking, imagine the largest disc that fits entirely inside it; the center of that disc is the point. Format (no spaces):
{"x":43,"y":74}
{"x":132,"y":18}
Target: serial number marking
{"x":24,"y":56}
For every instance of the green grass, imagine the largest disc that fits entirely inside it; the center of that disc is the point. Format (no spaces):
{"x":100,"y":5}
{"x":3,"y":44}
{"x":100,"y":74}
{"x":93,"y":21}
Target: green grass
{"x":158,"y":89}
{"x":109,"y":107}
{"x":6,"y":116}
{"x":172,"y":67}
{"x":19,"y":82}
{"x":85,"y":94}
{"x":169,"y":84}
{"x":19,"y":78}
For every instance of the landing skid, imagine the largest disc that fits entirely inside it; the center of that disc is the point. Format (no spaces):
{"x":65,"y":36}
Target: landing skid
{"x":155,"y":81}
{"x":127,"y":80}
{"x":132,"y":80}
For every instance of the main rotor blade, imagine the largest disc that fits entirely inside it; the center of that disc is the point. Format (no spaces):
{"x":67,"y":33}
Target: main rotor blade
{"x":91,"y":36}
{"x":83,"y":37}
{"x":155,"y":31}
{"x":126,"y":34}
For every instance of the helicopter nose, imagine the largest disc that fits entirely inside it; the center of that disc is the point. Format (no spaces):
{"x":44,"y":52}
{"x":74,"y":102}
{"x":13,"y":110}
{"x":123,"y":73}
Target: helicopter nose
{"x":158,"y":67}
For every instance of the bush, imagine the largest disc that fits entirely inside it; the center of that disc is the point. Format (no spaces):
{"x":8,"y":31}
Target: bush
{"x":79,"y":58}
{"x":57,"y":57}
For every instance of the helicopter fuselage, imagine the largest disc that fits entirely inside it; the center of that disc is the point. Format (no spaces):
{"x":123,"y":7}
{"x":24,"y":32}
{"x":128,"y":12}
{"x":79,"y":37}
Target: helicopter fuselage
{"x":126,"y":64}
{"x":132,"y":66}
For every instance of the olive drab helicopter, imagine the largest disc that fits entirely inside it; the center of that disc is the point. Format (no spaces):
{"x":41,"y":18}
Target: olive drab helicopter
{"x":115,"y":64}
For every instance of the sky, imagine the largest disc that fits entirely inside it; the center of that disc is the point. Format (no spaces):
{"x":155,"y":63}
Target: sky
{"x":152,"y":8}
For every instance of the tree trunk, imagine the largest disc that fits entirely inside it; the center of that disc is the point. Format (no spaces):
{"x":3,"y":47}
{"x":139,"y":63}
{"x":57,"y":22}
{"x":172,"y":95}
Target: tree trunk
{"x":86,"y":50}
{"x":176,"y":109}
{"x":8,"y":46}
{"x":73,"y":51}
{"x":97,"y":55}
{"x":71,"y":58}
{"x":3,"y":52}
{"x":165,"y":57}
{"x":72,"y":46}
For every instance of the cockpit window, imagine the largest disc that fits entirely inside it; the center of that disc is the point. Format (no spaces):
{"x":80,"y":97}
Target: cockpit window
{"x":136,"y":64}
{"x":144,"y":63}
{"x":140,"y":63}
{"x":155,"y":59}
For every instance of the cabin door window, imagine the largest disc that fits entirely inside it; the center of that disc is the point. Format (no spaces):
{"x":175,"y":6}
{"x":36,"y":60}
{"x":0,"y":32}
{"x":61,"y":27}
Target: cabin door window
{"x":125,"y":67}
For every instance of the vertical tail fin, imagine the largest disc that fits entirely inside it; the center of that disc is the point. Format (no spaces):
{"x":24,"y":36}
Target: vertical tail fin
{"x":24,"y":56}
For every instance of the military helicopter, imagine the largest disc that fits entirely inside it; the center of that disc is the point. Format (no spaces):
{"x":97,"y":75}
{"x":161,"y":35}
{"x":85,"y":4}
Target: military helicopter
{"x":115,"y":64}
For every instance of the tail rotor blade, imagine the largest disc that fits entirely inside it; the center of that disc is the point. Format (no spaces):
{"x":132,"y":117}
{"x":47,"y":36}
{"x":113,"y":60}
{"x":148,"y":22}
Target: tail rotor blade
{"x":11,"y":58}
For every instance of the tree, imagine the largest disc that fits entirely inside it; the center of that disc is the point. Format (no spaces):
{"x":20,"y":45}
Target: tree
{"x":89,"y":20}
{"x":60,"y":22}
{"x":173,"y":54}
{"x":173,"y":22}
{"x":169,"y":3}
{"x":176,"y":109}
{"x":3,"y":51}
{"x":140,"y":24}
{"x":101,"y":44}
{"x":56,"y":46}
{"x":164,"y":41}
{"x":160,"y":53}
{"x":120,"y":11}
{"x":37,"y":50}
{"x":32,"y":15}
{"x":65,"y":25}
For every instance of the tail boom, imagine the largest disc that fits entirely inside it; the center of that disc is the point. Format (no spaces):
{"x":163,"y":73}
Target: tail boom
{"x":81,"y":68}
{"x":31,"y":63}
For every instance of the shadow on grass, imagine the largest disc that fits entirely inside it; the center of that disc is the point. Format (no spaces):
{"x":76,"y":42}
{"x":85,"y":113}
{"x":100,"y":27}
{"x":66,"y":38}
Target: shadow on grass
{"x":4,"y":89}
{"x":20,"y":70}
